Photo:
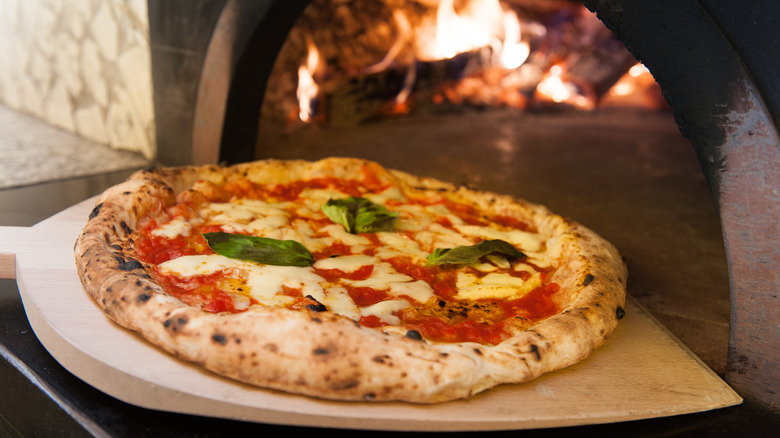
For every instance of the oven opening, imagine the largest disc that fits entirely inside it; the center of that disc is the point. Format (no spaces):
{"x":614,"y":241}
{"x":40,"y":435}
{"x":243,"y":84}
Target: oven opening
{"x":420,"y":68}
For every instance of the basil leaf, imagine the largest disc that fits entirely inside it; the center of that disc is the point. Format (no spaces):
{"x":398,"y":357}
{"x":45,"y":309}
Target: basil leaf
{"x":466,"y":255}
{"x":359,"y":215}
{"x":259,"y":249}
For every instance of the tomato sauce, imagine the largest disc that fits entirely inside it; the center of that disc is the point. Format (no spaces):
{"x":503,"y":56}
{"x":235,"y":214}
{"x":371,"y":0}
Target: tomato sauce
{"x":158,"y":249}
{"x":535,"y":305}
{"x":372,"y":321}
{"x":334,"y":275}
{"x":200,"y":291}
{"x":367,"y":296}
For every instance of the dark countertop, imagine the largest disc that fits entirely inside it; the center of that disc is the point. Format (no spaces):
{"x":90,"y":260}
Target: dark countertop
{"x":40,"y":398}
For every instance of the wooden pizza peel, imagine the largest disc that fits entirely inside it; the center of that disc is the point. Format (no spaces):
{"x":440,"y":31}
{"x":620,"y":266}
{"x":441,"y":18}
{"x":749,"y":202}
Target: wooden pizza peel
{"x":641,"y":372}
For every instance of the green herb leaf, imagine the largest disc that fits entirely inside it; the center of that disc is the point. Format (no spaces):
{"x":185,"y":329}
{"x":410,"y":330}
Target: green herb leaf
{"x":466,"y":255}
{"x":359,"y":215}
{"x":259,"y":249}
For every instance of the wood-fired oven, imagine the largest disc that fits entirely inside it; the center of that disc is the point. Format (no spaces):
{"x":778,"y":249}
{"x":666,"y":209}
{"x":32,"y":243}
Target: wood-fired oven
{"x":714,"y":60}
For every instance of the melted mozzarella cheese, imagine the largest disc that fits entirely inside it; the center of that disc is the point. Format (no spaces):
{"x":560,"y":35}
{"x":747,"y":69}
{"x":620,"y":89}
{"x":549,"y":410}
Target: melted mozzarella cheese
{"x":523,"y":240}
{"x":385,"y":309}
{"x":494,"y":285}
{"x":350,"y":263}
{"x":264,"y":282}
{"x":241,"y":211}
{"x":174,"y":228}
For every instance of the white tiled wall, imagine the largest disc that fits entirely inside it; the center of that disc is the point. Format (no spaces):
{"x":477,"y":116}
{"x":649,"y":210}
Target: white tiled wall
{"x":81,"y":65}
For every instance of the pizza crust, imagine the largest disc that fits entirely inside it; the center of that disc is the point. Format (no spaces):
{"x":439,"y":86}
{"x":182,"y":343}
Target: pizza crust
{"x":329,"y":356}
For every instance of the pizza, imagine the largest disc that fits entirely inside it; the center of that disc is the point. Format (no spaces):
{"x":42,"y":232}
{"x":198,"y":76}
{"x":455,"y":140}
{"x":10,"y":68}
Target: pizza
{"x":341,"y":279}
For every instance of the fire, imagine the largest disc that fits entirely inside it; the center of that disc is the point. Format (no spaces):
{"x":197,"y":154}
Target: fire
{"x":555,"y":88}
{"x":478,"y":24}
{"x":307,"y":86}
{"x":510,"y":61}
{"x":515,"y":51}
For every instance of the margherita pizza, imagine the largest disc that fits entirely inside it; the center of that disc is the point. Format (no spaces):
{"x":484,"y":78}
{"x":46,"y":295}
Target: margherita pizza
{"x":343,"y":280}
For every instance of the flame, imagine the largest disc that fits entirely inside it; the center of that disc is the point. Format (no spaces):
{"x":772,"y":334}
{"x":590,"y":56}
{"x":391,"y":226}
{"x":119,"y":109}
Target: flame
{"x":553,"y":87}
{"x":478,"y":24}
{"x":514,"y":51}
{"x":307,"y":86}
{"x":404,"y":35}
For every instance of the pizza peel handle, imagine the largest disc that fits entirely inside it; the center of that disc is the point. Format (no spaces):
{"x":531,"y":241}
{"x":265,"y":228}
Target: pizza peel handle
{"x":13,"y":240}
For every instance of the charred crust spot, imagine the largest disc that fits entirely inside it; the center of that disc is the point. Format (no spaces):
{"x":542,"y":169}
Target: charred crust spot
{"x":95,"y":211}
{"x":414,"y":334}
{"x":620,"y":313}
{"x":219,"y":338}
{"x":478,"y":351}
{"x":128,"y":264}
{"x":320,"y":351}
{"x":142,"y":298}
{"x":126,"y":228}
{"x":175,"y":324}
{"x":317,"y":320}
{"x":346,"y":384}
{"x":316,"y":306}
{"x":588,"y":280}
{"x":381,"y":359}
{"x":319,"y":307}
{"x":535,"y":352}
{"x":273,"y":348}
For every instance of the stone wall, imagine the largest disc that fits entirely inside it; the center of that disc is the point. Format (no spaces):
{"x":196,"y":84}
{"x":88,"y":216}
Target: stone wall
{"x":81,"y":65}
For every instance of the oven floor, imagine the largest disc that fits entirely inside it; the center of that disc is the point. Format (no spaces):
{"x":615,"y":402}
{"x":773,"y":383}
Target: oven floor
{"x":630,"y":176}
